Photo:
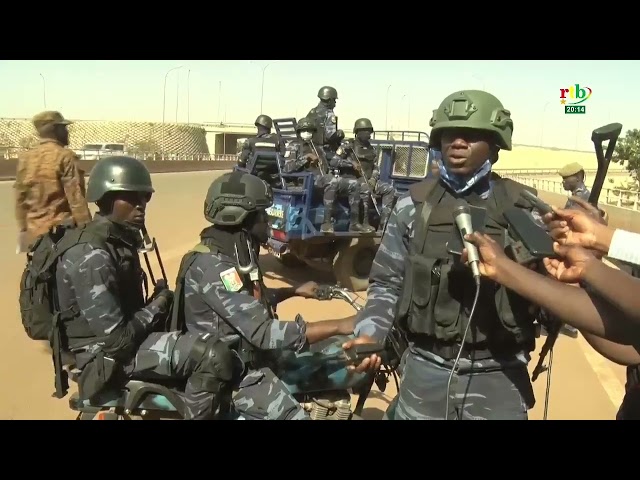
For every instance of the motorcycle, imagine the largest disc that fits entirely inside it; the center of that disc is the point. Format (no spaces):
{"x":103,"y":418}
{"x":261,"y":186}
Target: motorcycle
{"x":317,"y":378}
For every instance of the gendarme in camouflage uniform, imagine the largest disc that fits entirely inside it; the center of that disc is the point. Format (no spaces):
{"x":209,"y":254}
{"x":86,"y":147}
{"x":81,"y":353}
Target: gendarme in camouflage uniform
{"x":415,"y":276}
{"x":302,"y":155}
{"x":220,"y":300}
{"x":369,"y":181}
{"x":264,"y":140}
{"x":573,"y":181}
{"x":99,"y":280}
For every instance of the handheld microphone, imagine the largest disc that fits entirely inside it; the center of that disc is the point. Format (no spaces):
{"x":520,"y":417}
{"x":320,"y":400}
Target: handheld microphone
{"x":462,"y":217}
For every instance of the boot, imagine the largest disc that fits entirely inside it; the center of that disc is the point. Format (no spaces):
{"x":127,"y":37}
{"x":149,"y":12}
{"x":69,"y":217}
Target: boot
{"x":356,"y":226}
{"x":365,"y":218}
{"x":327,"y":226}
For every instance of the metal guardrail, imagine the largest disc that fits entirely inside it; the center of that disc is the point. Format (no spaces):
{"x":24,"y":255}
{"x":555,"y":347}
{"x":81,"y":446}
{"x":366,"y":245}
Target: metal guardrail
{"x":621,"y":198}
{"x":548,"y":171}
{"x":202,"y":157}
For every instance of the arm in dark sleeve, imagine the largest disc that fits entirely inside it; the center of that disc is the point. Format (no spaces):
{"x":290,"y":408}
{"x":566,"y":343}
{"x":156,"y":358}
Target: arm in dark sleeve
{"x":249,"y":318}
{"x":387,"y":272}
{"x":279,"y":295}
{"x":93,"y":278}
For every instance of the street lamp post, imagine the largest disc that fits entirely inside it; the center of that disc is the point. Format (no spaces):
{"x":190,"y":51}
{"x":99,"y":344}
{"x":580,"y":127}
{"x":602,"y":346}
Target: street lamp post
{"x":188,"y":99}
{"x":164,"y":102}
{"x":262,"y":88}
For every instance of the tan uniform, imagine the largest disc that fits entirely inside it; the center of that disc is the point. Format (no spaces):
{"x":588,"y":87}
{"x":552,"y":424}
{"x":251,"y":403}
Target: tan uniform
{"x":49,"y":189}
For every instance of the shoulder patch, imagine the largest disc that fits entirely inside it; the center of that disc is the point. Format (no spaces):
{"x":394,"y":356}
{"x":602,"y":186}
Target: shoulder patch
{"x":231,"y":280}
{"x":333,"y":119}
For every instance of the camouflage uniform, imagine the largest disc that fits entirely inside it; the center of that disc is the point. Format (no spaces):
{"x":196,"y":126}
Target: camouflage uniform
{"x":580,"y":191}
{"x":49,"y":185}
{"x":369,"y":183}
{"x":494,"y":387}
{"x":210,"y":308}
{"x":331,"y":185}
{"x":263,"y":141}
{"x":213,"y":296}
{"x":112,"y":335}
{"x":328,"y":135}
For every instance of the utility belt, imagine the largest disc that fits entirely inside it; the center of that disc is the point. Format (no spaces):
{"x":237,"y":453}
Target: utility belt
{"x":449,"y":350}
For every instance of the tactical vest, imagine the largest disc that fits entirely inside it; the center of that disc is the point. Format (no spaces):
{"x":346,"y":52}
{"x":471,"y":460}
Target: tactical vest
{"x":269,"y":142}
{"x":319,"y":115}
{"x":438,"y":292}
{"x":366,"y":155}
{"x":72,"y":331}
{"x":177,"y":319}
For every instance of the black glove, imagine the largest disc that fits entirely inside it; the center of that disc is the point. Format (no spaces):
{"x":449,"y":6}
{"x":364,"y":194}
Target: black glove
{"x":323,"y":292}
{"x":162,"y":295}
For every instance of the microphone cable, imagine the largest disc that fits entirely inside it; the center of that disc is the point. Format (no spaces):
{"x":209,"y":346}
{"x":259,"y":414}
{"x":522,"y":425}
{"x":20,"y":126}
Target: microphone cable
{"x":464,"y":338}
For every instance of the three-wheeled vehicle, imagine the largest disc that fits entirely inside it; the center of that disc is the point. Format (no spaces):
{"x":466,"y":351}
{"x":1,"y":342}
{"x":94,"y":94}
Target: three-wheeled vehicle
{"x":296,"y":215}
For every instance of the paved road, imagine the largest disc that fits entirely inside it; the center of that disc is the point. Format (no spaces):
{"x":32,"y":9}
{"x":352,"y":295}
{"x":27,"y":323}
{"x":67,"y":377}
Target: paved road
{"x":584,"y":386}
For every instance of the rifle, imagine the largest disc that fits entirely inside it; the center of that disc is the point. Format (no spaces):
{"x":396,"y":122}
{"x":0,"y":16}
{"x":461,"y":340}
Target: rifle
{"x":373,"y":199}
{"x":610,"y":132}
{"x":149,"y":245}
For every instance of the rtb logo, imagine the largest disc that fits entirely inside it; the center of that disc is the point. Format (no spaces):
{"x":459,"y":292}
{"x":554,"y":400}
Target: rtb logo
{"x":575,"y":95}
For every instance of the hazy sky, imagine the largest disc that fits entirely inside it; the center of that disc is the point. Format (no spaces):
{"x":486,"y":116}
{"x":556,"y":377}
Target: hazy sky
{"x":133,"y":90}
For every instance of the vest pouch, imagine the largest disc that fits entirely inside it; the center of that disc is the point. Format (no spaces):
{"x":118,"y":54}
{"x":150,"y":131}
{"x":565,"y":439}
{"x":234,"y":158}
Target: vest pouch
{"x":422,"y":281}
{"x":446,"y":308}
{"x":515,"y":318}
{"x":98,"y":373}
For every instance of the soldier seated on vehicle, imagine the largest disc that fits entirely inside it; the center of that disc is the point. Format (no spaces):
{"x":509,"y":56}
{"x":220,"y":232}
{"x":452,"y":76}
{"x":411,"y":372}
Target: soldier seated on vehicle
{"x":366,"y":159}
{"x":219,"y":290}
{"x":264,"y":140}
{"x":108,"y":325}
{"x":302,"y":155}
{"x":328,"y":136}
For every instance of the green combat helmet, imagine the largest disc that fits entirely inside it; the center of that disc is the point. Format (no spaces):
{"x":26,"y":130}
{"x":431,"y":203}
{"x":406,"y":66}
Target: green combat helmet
{"x":362,"y":124}
{"x":118,"y":174}
{"x":306,"y":125}
{"x":233,"y":196}
{"x":472,"y":109}
{"x":328,"y":93}
{"x":264,"y":121}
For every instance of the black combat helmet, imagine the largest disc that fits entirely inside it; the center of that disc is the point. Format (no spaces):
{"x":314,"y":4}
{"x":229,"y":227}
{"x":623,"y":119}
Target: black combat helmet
{"x":118,"y":174}
{"x":328,"y":93}
{"x":362,"y":124}
{"x":306,"y":125}
{"x":264,"y":121}
{"x":233,"y":196}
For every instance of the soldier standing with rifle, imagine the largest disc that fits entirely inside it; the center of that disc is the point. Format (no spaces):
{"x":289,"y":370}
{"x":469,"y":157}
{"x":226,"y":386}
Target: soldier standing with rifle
{"x":369,"y":183}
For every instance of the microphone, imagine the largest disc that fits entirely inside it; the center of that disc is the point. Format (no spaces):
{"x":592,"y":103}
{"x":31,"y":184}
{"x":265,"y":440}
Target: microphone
{"x":462,"y":217}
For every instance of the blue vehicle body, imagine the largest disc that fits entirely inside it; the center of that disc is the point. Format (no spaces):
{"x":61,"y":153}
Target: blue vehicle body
{"x":307,"y":374}
{"x":404,"y":158}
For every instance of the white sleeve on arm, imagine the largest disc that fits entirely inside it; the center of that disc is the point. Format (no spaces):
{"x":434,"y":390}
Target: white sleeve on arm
{"x":625,"y":246}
